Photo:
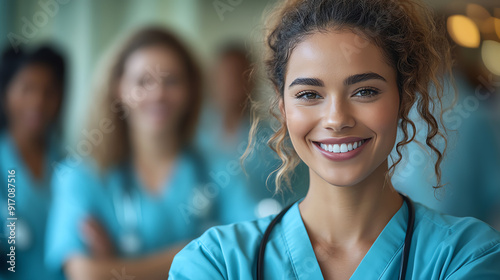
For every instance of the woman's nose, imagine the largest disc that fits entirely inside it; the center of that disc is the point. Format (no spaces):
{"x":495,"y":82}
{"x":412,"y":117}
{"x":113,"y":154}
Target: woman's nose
{"x":156,"y":91}
{"x":337,"y":115}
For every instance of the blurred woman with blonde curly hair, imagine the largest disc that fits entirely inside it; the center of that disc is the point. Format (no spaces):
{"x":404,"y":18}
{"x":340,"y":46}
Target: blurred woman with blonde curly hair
{"x":144,"y":192}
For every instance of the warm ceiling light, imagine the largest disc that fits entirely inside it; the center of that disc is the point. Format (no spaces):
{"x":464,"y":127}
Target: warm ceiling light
{"x":490,"y":53}
{"x":463,"y":31}
{"x":497,"y":27}
{"x":481,"y":17}
{"x":475,"y":11}
{"x":488,"y":25}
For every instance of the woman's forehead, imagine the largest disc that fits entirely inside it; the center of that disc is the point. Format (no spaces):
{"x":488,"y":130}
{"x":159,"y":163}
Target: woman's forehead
{"x":336,"y":54}
{"x":147,"y":59}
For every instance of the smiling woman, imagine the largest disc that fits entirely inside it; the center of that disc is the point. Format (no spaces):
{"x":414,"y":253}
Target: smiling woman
{"x":346,"y":74}
{"x":350,"y":102}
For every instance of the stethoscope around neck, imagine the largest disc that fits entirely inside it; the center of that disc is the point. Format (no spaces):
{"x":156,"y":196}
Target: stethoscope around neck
{"x":404,"y":256}
{"x":128,"y":215}
{"x":128,"y":210}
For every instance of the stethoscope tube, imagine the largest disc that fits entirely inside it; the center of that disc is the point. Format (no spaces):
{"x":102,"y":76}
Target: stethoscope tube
{"x":409,"y":235}
{"x":404,"y":256}
{"x":263,"y":242}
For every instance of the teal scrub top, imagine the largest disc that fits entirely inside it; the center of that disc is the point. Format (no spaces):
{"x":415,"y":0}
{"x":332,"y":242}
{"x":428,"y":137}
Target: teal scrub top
{"x":32,"y":203}
{"x":138,"y":221}
{"x":443,"y":247}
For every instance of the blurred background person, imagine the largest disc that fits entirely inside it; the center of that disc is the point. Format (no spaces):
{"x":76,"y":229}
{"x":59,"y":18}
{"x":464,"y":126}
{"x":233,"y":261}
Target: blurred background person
{"x":471,"y":168}
{"x":145,"y":192}
{"x":225,"y":126}
{"x":31,"y":94}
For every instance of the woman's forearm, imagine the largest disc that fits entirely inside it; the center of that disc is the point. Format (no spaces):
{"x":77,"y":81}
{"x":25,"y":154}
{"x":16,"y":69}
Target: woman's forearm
{"x":152,"y":267}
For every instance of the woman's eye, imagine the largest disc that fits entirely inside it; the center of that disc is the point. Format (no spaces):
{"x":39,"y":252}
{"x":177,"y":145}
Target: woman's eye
{"x":366,"y":93}
{"x":147,"y":82}
{"x":170,"y":81}
{"x":309,"y":95}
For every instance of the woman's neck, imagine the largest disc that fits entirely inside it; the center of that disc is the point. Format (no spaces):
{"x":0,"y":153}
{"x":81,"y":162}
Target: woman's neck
{"x":26,"y":143}
{"x":31,"y":149}
{"x":345,"y":216}
{"x":153,"y":157}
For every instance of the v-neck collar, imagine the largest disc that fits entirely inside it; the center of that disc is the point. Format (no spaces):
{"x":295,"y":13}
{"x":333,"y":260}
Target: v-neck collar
{"x":130,"y":179}
{"x":386,"y":247}
{"x":15,"y":160}
{"x":384,"y":250}
{"x":300,"y":250}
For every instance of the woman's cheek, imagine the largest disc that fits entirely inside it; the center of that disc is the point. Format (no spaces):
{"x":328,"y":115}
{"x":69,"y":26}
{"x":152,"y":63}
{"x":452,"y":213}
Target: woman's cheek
{"x":383,"y":119}
{"x":300,"y":121}
{"x":180,"y":102}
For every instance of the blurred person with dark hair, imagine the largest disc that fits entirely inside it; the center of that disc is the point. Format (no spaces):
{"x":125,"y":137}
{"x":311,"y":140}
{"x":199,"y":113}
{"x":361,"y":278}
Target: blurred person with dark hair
{"x":223,"y":135}
{"x":31,"y":94}
{"x":145,"y":191}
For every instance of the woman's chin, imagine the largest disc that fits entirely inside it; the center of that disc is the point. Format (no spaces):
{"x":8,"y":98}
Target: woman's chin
{"x":153,"y":129}
{"x":341,"y":179}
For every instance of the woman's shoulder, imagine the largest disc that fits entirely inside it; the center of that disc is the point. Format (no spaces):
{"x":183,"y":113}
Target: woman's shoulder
{"x":451,"y":226}
{"x":69,"y":168}
{"x":236,"y":233}
{"x":462,"y":246}
{"x":213,"y":252}
{"x":77,"y":177}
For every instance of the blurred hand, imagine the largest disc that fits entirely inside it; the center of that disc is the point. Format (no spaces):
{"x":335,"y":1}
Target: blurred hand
{"x":100,"y":244}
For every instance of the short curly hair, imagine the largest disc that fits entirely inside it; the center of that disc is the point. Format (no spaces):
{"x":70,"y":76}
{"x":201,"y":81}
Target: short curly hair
{"x":412,"y":40}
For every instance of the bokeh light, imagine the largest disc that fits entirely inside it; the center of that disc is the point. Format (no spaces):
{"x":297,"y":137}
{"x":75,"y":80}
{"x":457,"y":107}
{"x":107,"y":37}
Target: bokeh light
{"x":477,"y":12}
{"x":497,"y":27}
{"x":463,"y":31}
{"x":490,"y":53}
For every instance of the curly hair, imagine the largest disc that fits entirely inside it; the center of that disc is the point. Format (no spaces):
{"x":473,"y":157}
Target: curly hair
{"x":411,"y":39}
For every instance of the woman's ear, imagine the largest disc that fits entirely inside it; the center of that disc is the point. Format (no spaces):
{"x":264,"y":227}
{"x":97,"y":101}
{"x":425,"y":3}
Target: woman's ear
{"x":281,"y":105}
{"x":117,"y":90}
{"x":122,"y":94}
{"x":400,"y":107}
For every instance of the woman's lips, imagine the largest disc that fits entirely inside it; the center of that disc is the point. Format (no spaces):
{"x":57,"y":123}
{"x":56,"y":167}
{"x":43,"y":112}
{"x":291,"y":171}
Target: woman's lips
{"x":341,"y":149}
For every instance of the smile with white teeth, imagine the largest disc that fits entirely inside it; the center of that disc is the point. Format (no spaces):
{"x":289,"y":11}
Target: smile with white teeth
{"x":342,"y":148}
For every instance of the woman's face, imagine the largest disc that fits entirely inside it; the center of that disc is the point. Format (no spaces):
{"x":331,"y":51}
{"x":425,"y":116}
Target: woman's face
{"x":341,"y":106}
{"x":33,"y":99}
{"x":154,"y":88}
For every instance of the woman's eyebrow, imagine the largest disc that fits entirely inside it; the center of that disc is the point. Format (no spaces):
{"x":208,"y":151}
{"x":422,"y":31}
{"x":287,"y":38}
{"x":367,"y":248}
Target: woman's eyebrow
{"x":362,"y":77}
{"x":307,"y":82}
{"x":348,"y":81}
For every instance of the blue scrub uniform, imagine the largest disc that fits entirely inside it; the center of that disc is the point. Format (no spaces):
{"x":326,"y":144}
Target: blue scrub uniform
{"x":139,"y":222}
{"x":32,"y":203}
{"x":443,"y":247}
